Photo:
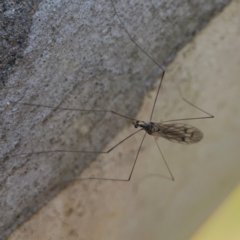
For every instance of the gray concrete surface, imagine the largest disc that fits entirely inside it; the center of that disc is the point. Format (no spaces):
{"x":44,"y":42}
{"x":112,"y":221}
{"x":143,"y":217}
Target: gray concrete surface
{"x":15,"y":23}
{"x":77,"y":55}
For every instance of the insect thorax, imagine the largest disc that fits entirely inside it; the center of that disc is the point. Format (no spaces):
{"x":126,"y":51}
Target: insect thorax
{"x":149,"y":127}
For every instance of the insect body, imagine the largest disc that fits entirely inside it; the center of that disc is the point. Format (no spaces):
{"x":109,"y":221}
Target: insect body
{"x":177,"y":132}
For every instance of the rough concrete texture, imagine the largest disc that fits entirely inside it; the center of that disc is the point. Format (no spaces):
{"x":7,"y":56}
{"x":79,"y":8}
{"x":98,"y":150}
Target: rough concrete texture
{"x":15,"y":23}
{"x":78,"y":56}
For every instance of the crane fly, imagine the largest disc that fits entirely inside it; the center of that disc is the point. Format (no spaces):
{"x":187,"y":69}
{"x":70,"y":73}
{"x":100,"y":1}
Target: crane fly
{"x":174,"y":132}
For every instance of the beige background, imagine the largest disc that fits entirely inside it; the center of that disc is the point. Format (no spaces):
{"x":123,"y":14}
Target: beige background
{"x":151,"y":206}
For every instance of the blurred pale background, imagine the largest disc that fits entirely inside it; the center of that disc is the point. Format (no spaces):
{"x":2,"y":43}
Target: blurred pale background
{"x":224,"y":223}
{"x":151,"y":206}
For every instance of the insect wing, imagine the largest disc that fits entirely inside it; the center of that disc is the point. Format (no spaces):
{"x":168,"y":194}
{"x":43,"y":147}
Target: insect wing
{"x":180,"y":133}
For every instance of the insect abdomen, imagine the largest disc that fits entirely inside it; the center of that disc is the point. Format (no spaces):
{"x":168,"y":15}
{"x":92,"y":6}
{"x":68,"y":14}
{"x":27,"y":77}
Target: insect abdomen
{"x":180,"y":133}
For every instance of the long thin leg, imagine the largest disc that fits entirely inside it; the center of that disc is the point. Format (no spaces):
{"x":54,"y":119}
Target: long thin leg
{"x":159,"y":87}
{"x":164,"y":160}
{"x":136,"y":157}
{"x":76,"y":151}
{"x":144,"y":53}
{"x":121,"y":180}
{"x":121,"y":22}
{"x":74,"y":109}
{"x":185,"y":100}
